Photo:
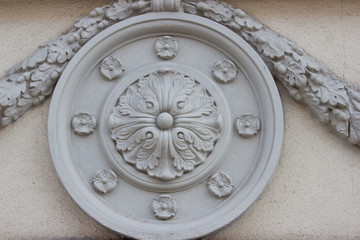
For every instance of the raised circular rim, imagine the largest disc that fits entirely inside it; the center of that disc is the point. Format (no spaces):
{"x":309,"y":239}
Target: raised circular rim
{"x":188,"y":179}
{"x":80,"y":193}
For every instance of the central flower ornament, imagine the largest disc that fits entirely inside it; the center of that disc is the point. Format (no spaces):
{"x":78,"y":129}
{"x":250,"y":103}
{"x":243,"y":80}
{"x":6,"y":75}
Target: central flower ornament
{"x":165,"y":124}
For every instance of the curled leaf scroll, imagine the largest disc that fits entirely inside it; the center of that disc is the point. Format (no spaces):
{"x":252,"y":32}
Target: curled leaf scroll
{"x":165,"y":124}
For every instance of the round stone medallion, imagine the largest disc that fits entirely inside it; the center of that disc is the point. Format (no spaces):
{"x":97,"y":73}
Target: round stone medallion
{"x":165,"y":126}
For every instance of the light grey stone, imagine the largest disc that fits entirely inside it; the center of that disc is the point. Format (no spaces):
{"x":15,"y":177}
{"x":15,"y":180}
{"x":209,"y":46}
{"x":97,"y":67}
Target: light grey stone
{"x":247,"y":125}
{"x":166,"y":47}
{"x":105,"y":181}
{"x":164,"y":207}
{"x":111,"y":68}
{"x":331,"y":99}
{"x":84,"y":124}
{"x":166,"y":128}
{"x":225,"y":71}
{"x":220,"y":185}
{"x":159,"y":102}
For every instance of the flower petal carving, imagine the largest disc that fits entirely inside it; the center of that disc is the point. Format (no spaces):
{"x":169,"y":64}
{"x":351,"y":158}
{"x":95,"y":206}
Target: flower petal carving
{"x":166,"y":47}
{"x":105,"y":180}
{"x":225,"y":71}
{"x":248,"y":125}
{"x":220,"y":185}
{"x":111,"y":68}
{"x":165,"y":124}
{"x":164,"y":207}
{"x":84,"y":124}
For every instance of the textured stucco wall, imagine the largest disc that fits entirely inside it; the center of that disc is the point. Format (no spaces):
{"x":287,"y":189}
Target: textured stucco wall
{"x":315,"y":192}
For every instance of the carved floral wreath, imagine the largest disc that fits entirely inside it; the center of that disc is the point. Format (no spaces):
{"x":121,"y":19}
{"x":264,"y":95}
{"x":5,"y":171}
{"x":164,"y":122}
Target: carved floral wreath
{"x":308,"y":81}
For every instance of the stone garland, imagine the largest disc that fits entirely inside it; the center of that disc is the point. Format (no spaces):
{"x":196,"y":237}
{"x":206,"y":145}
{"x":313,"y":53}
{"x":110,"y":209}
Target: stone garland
{"x":308,"y":81}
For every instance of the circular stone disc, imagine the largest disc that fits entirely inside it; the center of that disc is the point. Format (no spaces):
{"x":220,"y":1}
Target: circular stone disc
{"x":165,"y":126}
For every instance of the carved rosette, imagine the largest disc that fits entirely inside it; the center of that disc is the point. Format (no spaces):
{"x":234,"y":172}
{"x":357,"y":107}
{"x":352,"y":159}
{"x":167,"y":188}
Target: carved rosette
{"x":111,"y":68}
{"x":105,"y":181}
{"x":247,"y":125}
{"x":225,"y":71}
{"x":164,"y":207}
{"x":166,"y":47}
{"x":84,"y":124}
{"x":220,"y":185}
{"x":165,"y":124}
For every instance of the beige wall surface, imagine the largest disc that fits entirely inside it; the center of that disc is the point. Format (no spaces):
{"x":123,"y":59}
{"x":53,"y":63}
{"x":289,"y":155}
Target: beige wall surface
{"x":315,"y":192}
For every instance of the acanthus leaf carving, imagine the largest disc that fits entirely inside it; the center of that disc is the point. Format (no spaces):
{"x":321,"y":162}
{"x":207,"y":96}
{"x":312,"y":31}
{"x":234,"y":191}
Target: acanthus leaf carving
{"x":332,"y":102}
{"x":165,"y":124}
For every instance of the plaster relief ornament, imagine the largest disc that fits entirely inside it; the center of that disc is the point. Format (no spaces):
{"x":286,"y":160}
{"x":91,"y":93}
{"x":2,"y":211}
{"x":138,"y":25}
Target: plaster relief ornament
{"x":165,"y":124}
{"x":308,"y":81}
{"x":164,"y":132}
{"x":220,"y":185}
{"x":84,"y":124}
{"x":247,"y":125}
{"x":166,"y":47}
{"x":225,"y":71}
{"x":164,"y":207}
{"x":105,"y":181}
{"x":111,"y":68}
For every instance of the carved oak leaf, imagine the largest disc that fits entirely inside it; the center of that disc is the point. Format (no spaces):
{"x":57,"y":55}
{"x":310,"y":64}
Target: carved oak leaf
{"x":38,"y":57}
{"x":89,"y":26}
{"x":331,"y":92}
{"x":189,"y":8}
{"x":165,"y":124}
{"x":246,"y":22}
{"x":354,"y":96}
{"x":354,"y":126}
{"x":95,"y":16}
{"x":271,"y":49}
{"x":295,"y":75}
{"x":214,"y":10}
{"x":9,"y":91}
{"x":43,"y":79}
{"x":320,"y":111}
{"x":339,"y":119}
{"x":120,"y":10}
